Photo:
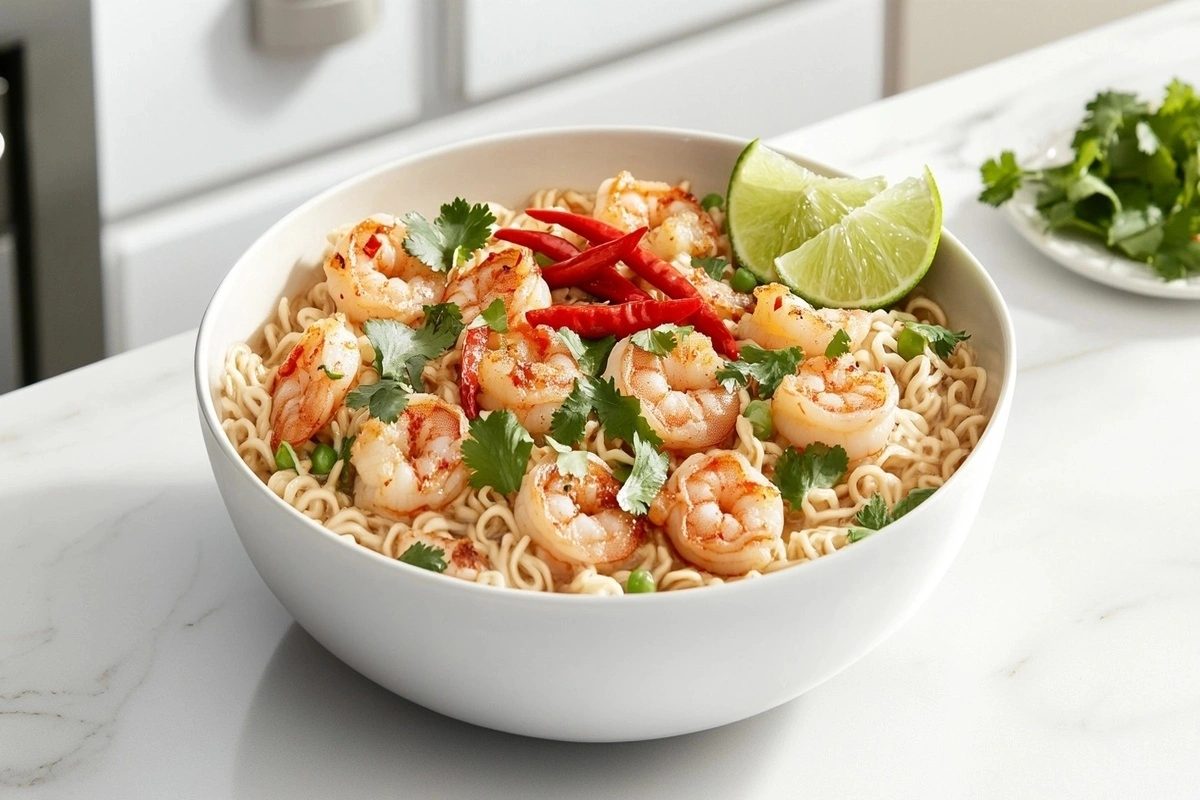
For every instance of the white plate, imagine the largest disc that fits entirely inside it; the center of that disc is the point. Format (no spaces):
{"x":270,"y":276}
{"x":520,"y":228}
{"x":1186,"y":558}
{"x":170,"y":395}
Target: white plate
{"x":1080,"y":254}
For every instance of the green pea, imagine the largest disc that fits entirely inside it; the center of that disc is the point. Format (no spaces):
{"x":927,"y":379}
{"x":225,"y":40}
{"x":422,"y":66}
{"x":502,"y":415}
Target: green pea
{"x":759,"y":414}
{"x":285,"y":457}
{"x":743,"y":280}
{"x":910,"y":344}
{"x":640,"y":581}
{"x":323,"y":459}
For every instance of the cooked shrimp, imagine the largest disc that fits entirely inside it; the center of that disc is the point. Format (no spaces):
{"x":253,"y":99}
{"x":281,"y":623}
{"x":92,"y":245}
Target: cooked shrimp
{"x":578,"y":521}
{"x":370,"y":275}
{"x":462,"y":559}
{"x":725,"y":300}
{"x":722,"y":514}
{"x":414,"y":463}
{"x":681,"y":397}
{"x":677,"y":222}
{"x":528,"y":372}
{"x":836,"y":402}
{"x":504,"y":271}
{"x":313,"y":380}
{"x":781,"y":319}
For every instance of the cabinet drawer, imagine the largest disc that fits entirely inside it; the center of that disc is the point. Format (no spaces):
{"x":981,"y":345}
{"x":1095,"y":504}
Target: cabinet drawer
{"x":186,"y":99}
{"x":550,"y":37}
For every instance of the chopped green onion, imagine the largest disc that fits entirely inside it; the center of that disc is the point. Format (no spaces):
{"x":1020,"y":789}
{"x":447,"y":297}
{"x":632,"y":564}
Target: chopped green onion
{"x":640,"y":581}
{"x":910,"y":344}
{"x":743,"y":280}
{"x":285,"y":457}
{"x":759,"y":414}
{"x":323,"y":459}
{"x":333,"y":376}
{"x":712,"y":200}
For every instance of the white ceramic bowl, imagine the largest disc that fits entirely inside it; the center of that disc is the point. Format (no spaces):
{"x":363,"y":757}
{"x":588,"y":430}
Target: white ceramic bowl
{"x":572,"y":667}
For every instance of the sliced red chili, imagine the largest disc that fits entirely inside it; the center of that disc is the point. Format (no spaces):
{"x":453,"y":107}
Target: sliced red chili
{"x":595,"y":321}
{"x":474,"y":346}
{"x":371,"y":246}
{"x":587,"y":265}
{"x":612,"y":285}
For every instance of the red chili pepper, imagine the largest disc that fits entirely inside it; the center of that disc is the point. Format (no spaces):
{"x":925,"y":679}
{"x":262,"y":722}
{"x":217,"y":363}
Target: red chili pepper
{"x":594,"y":321}
{"x":650,"y":268}
{"x":474,"y":346}
{"x":547,"y":244}
{"x":371,"y":246}
{"x":585,"y":266}
{"x":608,"y":284}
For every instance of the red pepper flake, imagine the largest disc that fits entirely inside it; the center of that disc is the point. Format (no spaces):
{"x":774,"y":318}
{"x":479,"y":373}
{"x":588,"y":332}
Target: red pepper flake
{"x":371,"y":246}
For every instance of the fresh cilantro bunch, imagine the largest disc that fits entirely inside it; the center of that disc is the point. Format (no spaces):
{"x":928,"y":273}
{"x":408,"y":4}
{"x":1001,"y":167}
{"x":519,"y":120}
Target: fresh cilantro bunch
{"x":1132,"y":183}
{"x":401,"y":353}
{"x":874,"y":515}
{"x":459,"y":229}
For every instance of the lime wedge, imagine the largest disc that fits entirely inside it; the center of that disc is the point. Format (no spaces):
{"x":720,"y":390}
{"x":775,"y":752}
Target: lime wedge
{"x":775,"y":205}
{"x":875,"y":255}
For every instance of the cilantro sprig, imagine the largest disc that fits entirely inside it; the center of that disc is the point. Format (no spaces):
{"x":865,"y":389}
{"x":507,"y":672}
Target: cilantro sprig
{"x":459,"y":229}
{"x":875,"y":515}
{"x":496,"y":316}
{"x":620,"y":415}
{"x":590,"y":354}
{"x":916,"y":335}
{"x":767,"y":368}
{"x":662,"y":340}
{"x":1133,"y":183}
{"x":819,"y":466}
{"x":497,"y":451}
{"x":714,"y":266}
{"x":425,"y":556}
{"x":401,"y":353}
{"x":646,"y":478}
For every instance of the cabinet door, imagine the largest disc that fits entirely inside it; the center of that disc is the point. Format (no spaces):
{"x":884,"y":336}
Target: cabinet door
{"x":561,"y":36}
{"x":162,"y":267}
{"x":186,"y":100}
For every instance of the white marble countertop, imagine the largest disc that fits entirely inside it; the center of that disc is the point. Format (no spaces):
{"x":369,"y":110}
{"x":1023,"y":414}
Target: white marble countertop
{"x":141,"y":655}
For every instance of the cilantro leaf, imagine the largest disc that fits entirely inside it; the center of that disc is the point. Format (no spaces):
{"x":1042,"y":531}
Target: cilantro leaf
{"x":839,"y":345}
{"x":402,"y":352}
{"x":662,"y":340}
{"x":1137,"y":232}
{"x":458,"y":230}
{"x":1001,"y":179}
{"x":496,"y":316}
{"x":1179,"y":253}
{"x":425,"y":556}
{"x":620,"y":415}
{"x":818,"y":467}
{"x":767,"y":367}
{"x":942,"y":340}
{"x":385,"y":400}
{"x":715,"y":266}
{"x":910,"y":501}
{"x":590,"y":354}
{"x":712,"y":200}
{"x":570,"y":419}
{"x":569,"y":462}
{"x":497,"y":451}
{"x":346,"y":478}
{"x":874,"y":515}
{"x":647,"y":476}
{"x":1106,"y":116}
{"x":857,"y":534}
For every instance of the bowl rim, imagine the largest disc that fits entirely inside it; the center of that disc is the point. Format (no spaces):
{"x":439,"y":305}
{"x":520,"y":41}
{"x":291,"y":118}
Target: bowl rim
{"x":211,"y":421}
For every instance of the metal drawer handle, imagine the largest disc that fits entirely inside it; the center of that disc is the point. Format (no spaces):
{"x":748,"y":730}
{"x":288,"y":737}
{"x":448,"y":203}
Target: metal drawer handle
{"x":292,"y":27}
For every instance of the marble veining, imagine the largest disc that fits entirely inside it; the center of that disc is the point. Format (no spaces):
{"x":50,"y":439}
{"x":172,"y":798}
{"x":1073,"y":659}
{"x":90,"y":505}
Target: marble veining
{"x":141,"y":655}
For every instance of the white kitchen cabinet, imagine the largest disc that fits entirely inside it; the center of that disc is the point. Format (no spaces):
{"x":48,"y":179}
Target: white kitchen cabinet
{"x":549,"y":37}
{"x":773,"y":72}
{"x":186,"y":100}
